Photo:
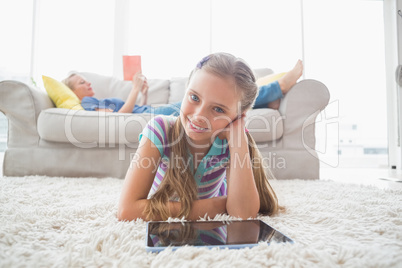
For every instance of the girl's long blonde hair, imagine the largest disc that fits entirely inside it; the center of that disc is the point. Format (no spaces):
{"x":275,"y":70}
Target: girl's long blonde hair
{"x":179,"y":182}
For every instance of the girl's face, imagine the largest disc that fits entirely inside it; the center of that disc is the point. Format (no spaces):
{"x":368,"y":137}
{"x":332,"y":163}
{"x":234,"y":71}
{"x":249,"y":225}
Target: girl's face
{"x":81,"y":87}
{"x":209,"y":105}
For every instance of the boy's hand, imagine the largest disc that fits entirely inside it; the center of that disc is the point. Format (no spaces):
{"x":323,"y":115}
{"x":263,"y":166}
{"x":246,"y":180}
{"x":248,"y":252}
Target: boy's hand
{"x":144,"y":92}
{"x":138,"y":81}
{"x":145,"y":87}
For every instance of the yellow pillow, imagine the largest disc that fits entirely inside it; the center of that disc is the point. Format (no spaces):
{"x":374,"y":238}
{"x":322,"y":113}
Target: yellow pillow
{"x":61,"y":95}
{"x":265,"y":80}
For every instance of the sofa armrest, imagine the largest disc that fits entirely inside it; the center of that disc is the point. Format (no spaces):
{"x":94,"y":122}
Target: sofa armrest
{"x":22,"y":104}
{"x":299,"y":109}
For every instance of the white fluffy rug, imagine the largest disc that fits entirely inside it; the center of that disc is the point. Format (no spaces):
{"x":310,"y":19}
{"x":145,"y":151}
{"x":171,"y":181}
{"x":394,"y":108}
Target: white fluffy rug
{"x":71,"y":222}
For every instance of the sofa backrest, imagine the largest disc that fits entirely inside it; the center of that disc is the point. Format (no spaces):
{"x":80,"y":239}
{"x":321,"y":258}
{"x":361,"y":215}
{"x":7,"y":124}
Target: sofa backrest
{"x":161,"y":91}
{"x":178,"y":84}
{"x":111,"y":87}
{"x":178,"y":87}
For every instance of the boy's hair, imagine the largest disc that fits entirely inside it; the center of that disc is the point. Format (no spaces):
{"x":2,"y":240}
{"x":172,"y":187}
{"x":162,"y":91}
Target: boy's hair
{"x":67,"y":80}
{"x":178,"y":181}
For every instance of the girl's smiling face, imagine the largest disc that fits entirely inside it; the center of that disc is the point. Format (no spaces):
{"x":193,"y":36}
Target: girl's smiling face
{"x":209,"y":105}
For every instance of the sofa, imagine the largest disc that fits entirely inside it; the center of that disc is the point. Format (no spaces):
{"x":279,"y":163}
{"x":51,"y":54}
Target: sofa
{"x":45,"y":140}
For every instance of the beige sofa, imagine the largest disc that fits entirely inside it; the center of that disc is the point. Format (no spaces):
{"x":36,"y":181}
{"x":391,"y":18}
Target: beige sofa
{"x":44,"y":140}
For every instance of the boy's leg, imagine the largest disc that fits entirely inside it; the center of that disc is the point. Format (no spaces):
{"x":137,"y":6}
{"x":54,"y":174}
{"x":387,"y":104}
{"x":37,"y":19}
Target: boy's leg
{"x":168,"y":109}
{"x":270,"y":95}
{"x":267,"y":94}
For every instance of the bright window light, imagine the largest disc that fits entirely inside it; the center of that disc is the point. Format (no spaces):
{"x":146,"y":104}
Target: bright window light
{"x":16,"y":35}
{"x":344,"y":48}
{"x":74,"y":35}
{"x":264,"y":33}
{"x":171,"y":36}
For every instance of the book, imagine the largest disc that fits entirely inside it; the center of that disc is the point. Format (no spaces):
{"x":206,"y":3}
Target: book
{"x":131,"y":65}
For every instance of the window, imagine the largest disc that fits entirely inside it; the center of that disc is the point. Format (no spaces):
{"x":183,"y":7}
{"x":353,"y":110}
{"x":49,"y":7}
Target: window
{"x":344,"y":48}
{"x":15,"y":45}
{"x":15,"y":49}
{"x":341,"y":42}
{"x":264,"y":33}
{"x":74,"y":35}
{"x":171,"y":36}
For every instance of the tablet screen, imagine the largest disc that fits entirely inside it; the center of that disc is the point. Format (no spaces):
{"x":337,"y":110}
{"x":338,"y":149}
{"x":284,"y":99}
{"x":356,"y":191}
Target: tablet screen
{"x":211,"y":233}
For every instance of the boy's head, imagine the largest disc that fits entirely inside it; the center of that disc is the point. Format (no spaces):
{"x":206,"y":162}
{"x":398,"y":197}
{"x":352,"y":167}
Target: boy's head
{"x":79,"y":85}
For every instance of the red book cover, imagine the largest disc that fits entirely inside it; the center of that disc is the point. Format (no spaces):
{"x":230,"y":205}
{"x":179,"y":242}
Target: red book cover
{"x":131,"y":65}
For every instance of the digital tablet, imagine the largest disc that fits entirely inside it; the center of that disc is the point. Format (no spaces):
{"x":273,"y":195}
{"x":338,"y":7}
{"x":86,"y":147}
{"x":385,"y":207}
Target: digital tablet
{"x":211,"y":234}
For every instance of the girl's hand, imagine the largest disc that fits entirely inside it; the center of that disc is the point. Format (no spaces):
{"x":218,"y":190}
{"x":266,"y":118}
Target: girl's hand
{"x":235,"y":131}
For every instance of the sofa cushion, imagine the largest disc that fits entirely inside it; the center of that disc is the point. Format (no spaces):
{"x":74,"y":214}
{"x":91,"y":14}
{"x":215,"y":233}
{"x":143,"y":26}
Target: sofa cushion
{"x":111,"y":87}
{"x":86,"y":129}
{"x":264,"y":124}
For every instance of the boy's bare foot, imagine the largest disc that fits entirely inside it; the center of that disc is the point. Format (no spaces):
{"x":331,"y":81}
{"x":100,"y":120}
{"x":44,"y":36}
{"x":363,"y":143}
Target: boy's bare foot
{"x":287,"y":81}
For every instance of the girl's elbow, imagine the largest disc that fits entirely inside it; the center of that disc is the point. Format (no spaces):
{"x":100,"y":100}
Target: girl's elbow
{"x":248,"y":215}
{"x":244,"y":213}
{"x":254,"y":214}
{"x":124,"y":214}
{"x":244,"y":216}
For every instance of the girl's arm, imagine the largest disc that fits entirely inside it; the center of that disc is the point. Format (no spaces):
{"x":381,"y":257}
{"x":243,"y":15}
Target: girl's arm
{"x":139,"y":82}
{"x":208,"y":207}
{"x":138,"y":182}
{"x":243,"y":200}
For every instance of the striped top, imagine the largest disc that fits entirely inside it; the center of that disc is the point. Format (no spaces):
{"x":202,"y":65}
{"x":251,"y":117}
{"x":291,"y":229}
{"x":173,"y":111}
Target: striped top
{"x":210,"y":175}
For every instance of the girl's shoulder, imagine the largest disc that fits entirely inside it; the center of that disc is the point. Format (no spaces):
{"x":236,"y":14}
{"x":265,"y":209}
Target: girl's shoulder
{"x":162,"y":124}
{"x":164,"y":120}
{"x":157,"y":130}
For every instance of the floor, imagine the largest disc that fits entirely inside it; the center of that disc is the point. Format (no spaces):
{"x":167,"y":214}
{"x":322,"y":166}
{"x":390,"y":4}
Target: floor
{"x":1,"y":163}
{"x":382,"y":178}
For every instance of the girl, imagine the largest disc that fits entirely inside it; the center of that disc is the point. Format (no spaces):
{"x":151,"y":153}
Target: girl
{"x":203,"y":162}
